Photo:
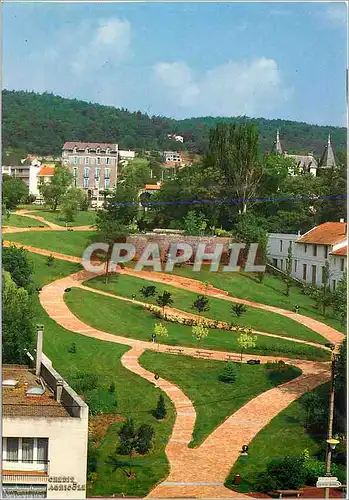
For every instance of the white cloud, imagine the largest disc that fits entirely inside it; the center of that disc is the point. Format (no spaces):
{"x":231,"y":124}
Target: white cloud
{"x":234,"y":88}
{"x":336,"y":14}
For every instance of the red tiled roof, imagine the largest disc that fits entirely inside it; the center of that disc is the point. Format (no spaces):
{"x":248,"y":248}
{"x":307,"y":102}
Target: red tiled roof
{"x":340,"y":251}
{"x":154,"y":187}
{"x":47,"y":170}
{"x":171,"y":164}
{"x":89,"y":145}
{"x":328,"y":233}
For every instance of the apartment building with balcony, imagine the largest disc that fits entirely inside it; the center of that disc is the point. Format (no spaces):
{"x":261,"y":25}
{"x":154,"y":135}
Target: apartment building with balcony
{"x":45,"y":434}
{"x":27,"y":173}
{"x":94,"y":167}
{"x":310,"y":251}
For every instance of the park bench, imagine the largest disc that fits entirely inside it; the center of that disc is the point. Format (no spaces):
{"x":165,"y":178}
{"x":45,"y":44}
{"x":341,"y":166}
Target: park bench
{"x":175,"y":350}
{"x":286,"y":493}
{"x":204,"y":354}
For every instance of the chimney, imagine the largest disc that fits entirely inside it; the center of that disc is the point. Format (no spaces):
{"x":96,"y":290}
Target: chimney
{"x":341,"y":220}
{"x":39,"y":341}
{"x":59,"y":389}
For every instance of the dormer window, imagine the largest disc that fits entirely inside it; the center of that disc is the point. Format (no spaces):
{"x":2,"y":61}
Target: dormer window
{"x":107,"y":151}
{"x":87,"y":150}
{"x":98,"y":151}
{"x":74,"y":150}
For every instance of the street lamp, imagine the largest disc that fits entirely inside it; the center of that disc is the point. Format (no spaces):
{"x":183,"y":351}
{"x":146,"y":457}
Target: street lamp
{"x":332,"y":442}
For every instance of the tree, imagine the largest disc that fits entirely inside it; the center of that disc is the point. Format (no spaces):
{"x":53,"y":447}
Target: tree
{"x":145,"y":436}
{"x":50,"y":260}
{"x":195,"y":224}
{"x":160,"y":331}
{"x":238,"y":309}
{"x":72,"y":202}
{"x":14,"y":191}
{"x":160,"y":411}
{"x":109,"y":232}
{"x":148,"y":291}
{"x":17,"y":322}
{"x":164,"y":300}
{"x":246,"y":341}
{"x":201,"y":304}
{"x":340,"y":382}
{"x":127,"y":441}
{"x":228,"y":375}
{"x":120,"y":208}
{"x":199,"y":332}
{"x":323,"y":296}
{"x":54,"y":191}
{"x":288,"y":278}
{"x":340,"y":299}
{"x":284,"y":473}
{"x":15,"y":261}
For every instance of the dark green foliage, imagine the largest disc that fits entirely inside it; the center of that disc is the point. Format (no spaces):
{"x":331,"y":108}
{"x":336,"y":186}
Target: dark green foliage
{"x":127,"y":438}
{"x":238,"y":309}
{"x":145,"y":436}
{"x":54,"y":191}
{"x":14,"y":191}
{"x":15,"y":261}
{"x":317,"y":412}
{"x":228,"y":375}
{"x":72,"y":348}
{"x":84,"y":381}
{"x":201,"y":304}
{"x":99,"y":400}
{"x":160,"y":411}
{"x":112,"y":387}
{"x":287,"y":473}
{"x":50,"y":260}
{"x":164,"y":300}
{"x":148,"y":291}
{"x":280,"y":372}
{"x":92,"y":459}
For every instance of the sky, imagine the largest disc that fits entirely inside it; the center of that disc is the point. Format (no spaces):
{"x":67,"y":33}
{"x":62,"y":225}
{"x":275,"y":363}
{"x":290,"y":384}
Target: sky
{"x":184,"y":59}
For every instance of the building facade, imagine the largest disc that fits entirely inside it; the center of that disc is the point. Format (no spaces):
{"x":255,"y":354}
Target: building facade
{"x":327,"y":242}
{"x":27,"y":173}
{"x":172,"y":157}
{"x":94,"y":167}
{"x":45,"y":434}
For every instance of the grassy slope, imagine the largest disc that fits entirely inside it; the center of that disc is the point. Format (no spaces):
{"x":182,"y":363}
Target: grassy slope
{"x":69,"y":243}
{"x":132,"y":392}
{"x":82,"y":218}
{"x":131,"y":320}
{"x":284,"y":435}
{"x":213,"y":400}
{"x":20,"y":221}
{"x":257,"y":319}
{"x":271,"y":292}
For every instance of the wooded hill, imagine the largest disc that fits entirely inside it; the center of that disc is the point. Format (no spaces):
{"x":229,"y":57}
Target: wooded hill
{"x":41,"y":123}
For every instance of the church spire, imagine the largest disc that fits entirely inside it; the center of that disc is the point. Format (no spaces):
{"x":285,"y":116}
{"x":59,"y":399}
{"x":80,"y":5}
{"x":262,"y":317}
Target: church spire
{"x":277,"y":144}
{"x":328,"y":160}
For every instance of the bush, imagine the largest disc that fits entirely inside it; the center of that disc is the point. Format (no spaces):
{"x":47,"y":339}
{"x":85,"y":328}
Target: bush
{"x":50,"y":260}
{"x":279,"y":372}
{"x":238,"y":309}
{"x":112,"y":387}
{"x":145,"y":436}
{"x":72,"y":348}
{"x":264,"y":483}
{"x":228,"y":374}
{"x":92,"y":460}
{"x":84,"y":381}
{"x":160,"y":412}
{"x":288,"y":473}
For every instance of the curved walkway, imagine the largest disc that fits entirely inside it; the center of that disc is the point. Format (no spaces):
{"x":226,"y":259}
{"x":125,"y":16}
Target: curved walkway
{"x":198,"y":472}
{"x":51,"y":226}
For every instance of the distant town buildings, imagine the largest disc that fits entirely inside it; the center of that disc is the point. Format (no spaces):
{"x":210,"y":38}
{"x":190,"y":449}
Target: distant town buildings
{"x":178,"y":138}
{"x":94,"y":167}
{"x":326,"y":242}
{"x":307,"y":163}
{"x":27,"y":173}
{"x":171,"y":157}
{"x":45,"y":433}
{"x":126,"y":156}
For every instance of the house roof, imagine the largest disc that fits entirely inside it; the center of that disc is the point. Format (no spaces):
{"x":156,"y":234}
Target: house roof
{"x":154,"y":187}
{"x":171,"y":164}
{"x":90,"y":145}
{"x":15,"y":401}
{"x":328,"y":159}
{"x":304,"y":160}
{"x":340,"y":251}
{"x":328,"y":233}
{"x":46,"y":170}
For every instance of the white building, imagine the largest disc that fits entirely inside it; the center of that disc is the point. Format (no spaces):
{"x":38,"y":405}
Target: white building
{"x":45,"y":434}
{"x":171,"y":156}
{"x":327,"y":242}
{"x":27,"y":173}
{"x":178,"y":138}
{"x":126,"y":156}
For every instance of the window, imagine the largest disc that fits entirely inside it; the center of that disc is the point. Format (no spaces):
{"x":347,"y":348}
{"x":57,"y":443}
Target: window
{"x":12,"y":449}
{"x":75,"y":175}
{"x":314,"y":250}
{"x":323,"y":277}
{"x":87,"y":159}
{"x":326,"y":251}
{"x":107,"y":173}
{"x":107,"y":151}
{"x":304,"y":272}
{"x":280,"y":245}
{"x":97,"y":174}
{"x":87,"y":151}
{"x":75,"y":160}
{"x":86,"y":172}
{"x":289,"y":244}
{"x":108,"y":161}
{"x":106,"y":183}
{"x":305,"y":248}
{"x":86,"y":182}
{"x":98,"y":160}
{"x":275,"y":262}
{"x":27,"y":449}
{"x":295,"y":265}
{"x":313,"y":275}
{"x":342,"y":264}
{"x":74,"y":150}
{"x":98,"y":151}
{"x":281,"y":264}
{"x":42,"y":447}
{"x":333,"y":285}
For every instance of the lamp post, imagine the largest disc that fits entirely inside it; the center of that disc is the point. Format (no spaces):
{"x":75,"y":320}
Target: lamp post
{"x":331,"y":443}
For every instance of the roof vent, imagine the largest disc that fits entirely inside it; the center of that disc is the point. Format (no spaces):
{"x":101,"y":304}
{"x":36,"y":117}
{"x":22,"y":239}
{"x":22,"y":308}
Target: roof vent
{"x":10,"y":383}
{"x":35,"y":391}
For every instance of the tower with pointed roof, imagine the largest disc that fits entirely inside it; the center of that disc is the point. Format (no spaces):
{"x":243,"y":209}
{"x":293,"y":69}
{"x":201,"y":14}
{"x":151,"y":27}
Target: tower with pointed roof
{"x":277,"y":144}
{"x":328,"y":160}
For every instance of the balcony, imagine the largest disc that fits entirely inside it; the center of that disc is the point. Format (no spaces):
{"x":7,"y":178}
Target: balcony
{"x":24,"y":472}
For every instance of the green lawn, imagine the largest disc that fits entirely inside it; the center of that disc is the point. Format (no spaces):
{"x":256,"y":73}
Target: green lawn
{"x":135,"y":396}
{"x":257,"y":319}
{"x":213,"y":400}
{"x":20,"y":221}
{"x":86,"y":218}
{"x":66,"y":242}
{"x":270,"y":292}
{"x":284,"y":435}
{"x":131,"y":320}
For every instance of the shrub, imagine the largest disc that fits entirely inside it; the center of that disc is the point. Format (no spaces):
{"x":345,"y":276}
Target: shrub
{"x":265,"y":482}
{"x":228,"y":374}
{"x":238,"y":309}
{"x":279,"y":372}
{"x":92,"y":460}
{"x":145,"y":436}
{"x":50,"y":260}
{"x":112,"y":387}
{"x":72,"y":348}
{"x":160,"y":411}
{"x":288,"y":472}
{"x":148,"y":291}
